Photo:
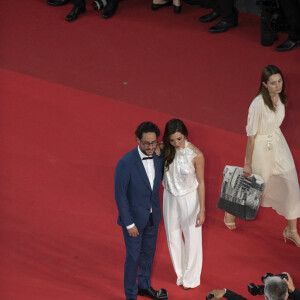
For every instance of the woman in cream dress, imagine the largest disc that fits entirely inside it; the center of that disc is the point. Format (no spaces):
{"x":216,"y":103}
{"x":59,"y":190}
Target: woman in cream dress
{"x":268,"y":154}
{"x":183,"y":203}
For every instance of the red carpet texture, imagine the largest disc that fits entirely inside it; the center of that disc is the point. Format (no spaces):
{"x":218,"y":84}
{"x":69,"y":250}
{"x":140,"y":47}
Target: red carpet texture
{"x":71,"y":97}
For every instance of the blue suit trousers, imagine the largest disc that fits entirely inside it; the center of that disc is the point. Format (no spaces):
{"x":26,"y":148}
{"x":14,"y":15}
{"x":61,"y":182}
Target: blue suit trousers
{"x":140,"y":252}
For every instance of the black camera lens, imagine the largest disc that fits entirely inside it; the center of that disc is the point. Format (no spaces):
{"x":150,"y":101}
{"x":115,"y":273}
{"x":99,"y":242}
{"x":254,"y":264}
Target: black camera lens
{"x":99,"y":4}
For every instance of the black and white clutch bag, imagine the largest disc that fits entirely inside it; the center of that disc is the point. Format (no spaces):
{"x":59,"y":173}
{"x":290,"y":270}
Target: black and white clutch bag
{"x":240,"y":196}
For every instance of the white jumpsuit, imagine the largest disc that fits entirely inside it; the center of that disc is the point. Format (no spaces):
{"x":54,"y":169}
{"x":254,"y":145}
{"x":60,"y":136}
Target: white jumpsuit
{"x":180,"y":208}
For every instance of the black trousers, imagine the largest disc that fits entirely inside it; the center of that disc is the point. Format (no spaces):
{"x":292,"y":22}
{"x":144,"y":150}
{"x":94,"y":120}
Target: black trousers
{"x":291,"y":10}
{"x":226,"y":9}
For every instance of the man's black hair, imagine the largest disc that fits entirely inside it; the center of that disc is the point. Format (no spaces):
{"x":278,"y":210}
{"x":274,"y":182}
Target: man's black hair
{"x":146,"y":127}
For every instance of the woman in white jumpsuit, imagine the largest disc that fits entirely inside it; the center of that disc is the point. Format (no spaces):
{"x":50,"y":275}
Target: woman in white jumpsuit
{"x":268,"y":153}
{"x":183,"y":203}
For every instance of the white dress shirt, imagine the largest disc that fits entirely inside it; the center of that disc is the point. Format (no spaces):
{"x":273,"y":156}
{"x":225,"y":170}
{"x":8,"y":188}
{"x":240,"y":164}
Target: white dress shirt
{"x":150,"y":171}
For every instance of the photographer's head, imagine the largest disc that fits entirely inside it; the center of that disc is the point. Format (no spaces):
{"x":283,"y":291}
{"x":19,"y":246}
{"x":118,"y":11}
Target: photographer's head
{"x":275,"y":289}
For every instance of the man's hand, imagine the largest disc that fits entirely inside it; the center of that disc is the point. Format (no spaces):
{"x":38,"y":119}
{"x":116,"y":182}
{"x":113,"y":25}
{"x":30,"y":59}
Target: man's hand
{"x":133,"y":232}
{"x":217,"y":293}
{"x":289,"y":282}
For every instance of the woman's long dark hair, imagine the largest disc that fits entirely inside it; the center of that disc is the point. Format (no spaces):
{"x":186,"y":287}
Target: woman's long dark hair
{"x":265,"y":76}
{"x":173,"y":126}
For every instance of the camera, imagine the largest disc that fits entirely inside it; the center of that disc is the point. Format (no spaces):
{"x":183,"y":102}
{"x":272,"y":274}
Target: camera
{"x":99,"y":4}
{"x":210,"y":296}
{"x":259,"y":289}
{"x":282,"y":276}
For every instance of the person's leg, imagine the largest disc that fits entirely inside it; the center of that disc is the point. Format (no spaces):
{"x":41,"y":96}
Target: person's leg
{"x":227,"y":10}
{"x":228,"y":14}
{"x":148,"y":246}
{"x":174,"y":234}
{"x":78,"y":8}
{"x":291,"y":10}
{"x":291,"y":232}
{"x":133,"y":249}
{"x":189,"y":208}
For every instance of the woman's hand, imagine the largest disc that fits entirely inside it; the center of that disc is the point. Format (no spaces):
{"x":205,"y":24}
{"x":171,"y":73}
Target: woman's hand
{"x":200,"y":219}
{"x":157,"y":150}
{"x":247,"y":171}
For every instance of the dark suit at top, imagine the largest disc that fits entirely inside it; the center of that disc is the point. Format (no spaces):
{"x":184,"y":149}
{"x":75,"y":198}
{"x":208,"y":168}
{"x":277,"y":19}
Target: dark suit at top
{"x":291,"y":10}
{"x":135,"y":198}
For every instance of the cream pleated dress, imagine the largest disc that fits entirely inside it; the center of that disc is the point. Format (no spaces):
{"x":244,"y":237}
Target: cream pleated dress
{"x":180,"y":208}
{"x":272,"y":159}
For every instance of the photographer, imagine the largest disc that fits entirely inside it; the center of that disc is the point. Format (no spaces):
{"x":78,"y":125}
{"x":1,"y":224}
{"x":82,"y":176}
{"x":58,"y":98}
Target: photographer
{"x":276,"y":288}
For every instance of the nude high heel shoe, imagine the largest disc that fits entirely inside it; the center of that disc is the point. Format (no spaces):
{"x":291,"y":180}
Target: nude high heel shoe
{"x":229,"y":225}
{"x":290,"y":234}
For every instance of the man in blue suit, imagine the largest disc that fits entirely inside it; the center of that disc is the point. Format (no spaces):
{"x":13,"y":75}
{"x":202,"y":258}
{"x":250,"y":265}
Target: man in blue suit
{"x":137,"y":180}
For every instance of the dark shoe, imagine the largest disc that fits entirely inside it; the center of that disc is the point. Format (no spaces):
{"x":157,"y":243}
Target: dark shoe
{"x":210,"y":17}
{"x":288,"y":45}
{"x":221,"y":27}
{"x":57,"y":2}
{"x":109,"y":10}
{"x":158,"y":6}
{"x":152,"y":293}
{"x":74,"y":13}
{"x":177,"y":9}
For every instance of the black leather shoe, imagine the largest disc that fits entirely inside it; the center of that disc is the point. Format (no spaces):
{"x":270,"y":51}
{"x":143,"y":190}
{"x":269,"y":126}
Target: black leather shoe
{"x":288,"y":45}
{"x":57,"y":2}
{"x":158,"y":6}
{"x":221,"y":27}
{"x":109,"y":10}
{"x":210,"y":17}
{"x":177,"y":9}
{"x":152,"y":293}
{"x":75,"y":12}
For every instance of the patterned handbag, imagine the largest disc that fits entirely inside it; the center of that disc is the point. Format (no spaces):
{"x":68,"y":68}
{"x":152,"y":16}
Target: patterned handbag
{"x":240,"y":196}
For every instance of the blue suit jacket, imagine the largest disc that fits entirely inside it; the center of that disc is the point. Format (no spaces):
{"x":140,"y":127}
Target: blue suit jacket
{"x":133,"y":192}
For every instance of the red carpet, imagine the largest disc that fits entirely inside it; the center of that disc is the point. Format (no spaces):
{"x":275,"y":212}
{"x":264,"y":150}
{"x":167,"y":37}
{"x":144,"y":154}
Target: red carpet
{"x":64,"y":127}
